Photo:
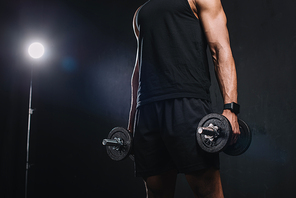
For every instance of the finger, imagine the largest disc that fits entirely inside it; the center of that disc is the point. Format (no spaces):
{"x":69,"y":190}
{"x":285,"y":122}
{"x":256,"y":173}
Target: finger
{"x":234,"y":138}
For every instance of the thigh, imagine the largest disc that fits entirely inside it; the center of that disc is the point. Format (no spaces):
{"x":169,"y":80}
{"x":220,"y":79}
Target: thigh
{"x":182,"y":118}
{"x":206,"y":183}
{"x":151,"y":155}
{"x":162,"y":185}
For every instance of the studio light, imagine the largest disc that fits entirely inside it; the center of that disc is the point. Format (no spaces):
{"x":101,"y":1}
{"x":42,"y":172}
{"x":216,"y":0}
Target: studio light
{"x":36,"y":50}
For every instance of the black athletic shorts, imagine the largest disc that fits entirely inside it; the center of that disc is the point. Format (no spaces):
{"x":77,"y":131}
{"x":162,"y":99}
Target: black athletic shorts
{"x":165,"y":137}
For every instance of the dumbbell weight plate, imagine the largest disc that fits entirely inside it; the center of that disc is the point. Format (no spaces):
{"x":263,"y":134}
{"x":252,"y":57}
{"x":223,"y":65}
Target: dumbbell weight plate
{"x":243,"y":142}
{"x":219,"y":143}
{"x":119,"y":153}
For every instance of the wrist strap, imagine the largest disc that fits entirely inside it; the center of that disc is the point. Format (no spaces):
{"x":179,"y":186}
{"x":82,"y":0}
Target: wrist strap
{"x":234,"y":107}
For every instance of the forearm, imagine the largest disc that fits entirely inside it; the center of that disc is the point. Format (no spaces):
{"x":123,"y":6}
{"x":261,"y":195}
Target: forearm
{"x":134,"y":91}
{"x":132,"y":116}
{"x":227,"y":79}
{"x":225,"y":73}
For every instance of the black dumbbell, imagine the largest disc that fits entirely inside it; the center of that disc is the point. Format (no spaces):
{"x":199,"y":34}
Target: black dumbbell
{"x":214,"y":135}
{"x":118,"y":144}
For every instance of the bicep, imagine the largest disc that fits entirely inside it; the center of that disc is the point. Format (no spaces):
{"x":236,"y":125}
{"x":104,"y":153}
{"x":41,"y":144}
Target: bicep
{"x":214,"y":21}
{"x":135,"y":25}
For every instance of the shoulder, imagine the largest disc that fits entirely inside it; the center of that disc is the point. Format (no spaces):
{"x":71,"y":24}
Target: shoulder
{"x":205,"y":4}
{"x":207,"y":7}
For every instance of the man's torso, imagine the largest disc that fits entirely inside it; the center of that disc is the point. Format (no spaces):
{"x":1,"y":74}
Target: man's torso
{"x":172,"y":52}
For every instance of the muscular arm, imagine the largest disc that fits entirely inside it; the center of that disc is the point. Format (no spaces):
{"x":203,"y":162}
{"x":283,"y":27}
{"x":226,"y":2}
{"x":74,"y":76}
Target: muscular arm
{"x":134,"y":82}
{"x":213,"y":19}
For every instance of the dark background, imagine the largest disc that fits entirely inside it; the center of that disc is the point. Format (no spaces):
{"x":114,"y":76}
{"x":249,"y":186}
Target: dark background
{"x":81,"y":90}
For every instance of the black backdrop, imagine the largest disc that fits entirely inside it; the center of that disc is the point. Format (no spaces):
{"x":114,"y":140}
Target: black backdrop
{"x":81,"y":90}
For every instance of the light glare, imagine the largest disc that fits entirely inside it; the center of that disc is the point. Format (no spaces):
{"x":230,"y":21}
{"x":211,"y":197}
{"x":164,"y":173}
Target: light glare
{"x":36,"y":50}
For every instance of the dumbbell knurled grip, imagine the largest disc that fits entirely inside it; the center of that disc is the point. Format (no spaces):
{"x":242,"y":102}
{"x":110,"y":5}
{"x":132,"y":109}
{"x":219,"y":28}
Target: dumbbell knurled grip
{"x":210,"y":131}
{"x":111,"y":142}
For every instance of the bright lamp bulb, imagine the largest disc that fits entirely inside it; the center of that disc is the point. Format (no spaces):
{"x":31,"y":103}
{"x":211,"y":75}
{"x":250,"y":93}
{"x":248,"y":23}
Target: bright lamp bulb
{"x":36,"y":50}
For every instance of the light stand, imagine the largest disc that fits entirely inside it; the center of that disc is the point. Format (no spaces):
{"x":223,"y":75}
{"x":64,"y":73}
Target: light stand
{"x":28,"y":136}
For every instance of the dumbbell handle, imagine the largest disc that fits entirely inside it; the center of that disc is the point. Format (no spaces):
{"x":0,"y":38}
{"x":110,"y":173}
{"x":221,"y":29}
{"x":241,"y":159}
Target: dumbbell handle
{"x":111,"y":142}
{"x":210,"y":130}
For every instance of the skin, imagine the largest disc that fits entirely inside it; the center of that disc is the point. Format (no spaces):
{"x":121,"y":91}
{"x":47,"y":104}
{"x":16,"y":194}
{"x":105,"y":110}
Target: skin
{"x":213,"y":19}
{"x":204,"y":183}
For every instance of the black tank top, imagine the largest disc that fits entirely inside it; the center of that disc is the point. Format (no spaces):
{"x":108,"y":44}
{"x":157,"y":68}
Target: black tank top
{"x":172,"y":52}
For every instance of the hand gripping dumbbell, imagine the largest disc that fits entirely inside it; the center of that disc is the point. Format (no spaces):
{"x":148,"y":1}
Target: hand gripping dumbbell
{"x":214,"y":135}
{"x":118,"y":143}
